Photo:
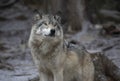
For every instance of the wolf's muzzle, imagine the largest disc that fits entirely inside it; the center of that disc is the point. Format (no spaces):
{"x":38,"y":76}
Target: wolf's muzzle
{"x":52,"y":32}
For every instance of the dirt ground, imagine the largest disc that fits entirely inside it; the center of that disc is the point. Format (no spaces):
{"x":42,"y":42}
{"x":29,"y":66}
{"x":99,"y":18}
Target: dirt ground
{"x":15,"y":59}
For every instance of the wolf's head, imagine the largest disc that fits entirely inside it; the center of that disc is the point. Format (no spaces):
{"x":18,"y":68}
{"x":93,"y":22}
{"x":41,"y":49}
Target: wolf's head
{"x":47,"y":28}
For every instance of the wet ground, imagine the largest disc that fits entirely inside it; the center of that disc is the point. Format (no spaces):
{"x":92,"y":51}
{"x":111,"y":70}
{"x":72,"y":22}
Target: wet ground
{"x":15,"y":59}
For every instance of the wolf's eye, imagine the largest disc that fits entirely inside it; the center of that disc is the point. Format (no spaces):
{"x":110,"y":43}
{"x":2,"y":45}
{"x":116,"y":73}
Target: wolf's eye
{"x":55,"y":25}
{"x":39,"y":25}
{"x":45,"y":24}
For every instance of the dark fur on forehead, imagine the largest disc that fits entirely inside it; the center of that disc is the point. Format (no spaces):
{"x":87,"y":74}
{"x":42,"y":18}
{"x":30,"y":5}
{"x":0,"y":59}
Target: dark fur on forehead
{"x":56,"y":17}
{"x":40,"y":15}
{"x":51,"y":19}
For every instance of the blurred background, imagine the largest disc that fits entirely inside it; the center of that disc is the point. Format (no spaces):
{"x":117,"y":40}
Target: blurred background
{"x":92,"y":23}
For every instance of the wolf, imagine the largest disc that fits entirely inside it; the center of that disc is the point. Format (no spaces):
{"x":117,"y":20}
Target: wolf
{"x":54,"y":58}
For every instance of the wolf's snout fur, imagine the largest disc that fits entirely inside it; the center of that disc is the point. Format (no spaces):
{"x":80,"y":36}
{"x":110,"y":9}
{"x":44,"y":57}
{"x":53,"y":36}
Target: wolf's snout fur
{"x":54,"y":59}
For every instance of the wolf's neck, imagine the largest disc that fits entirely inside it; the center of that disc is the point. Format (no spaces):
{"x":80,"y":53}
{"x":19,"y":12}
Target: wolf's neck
{"x":47,"y":49}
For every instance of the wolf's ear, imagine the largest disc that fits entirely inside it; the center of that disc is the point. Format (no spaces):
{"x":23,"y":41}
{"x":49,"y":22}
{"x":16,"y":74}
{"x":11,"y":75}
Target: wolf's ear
{"x":58,"y":18}
{"x":38,"y":15}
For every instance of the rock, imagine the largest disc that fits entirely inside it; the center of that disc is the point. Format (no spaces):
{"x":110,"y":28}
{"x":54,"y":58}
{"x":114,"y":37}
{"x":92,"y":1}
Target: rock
{"x":110,"y":29}
{"x":6,"y":66}
{"x":107,"y":65}
{"x":6,"y":3}
{"x":100,"y":74}
{"x":110,"y":15}
{"x":111,"y":62}
{"x":34,"y":79}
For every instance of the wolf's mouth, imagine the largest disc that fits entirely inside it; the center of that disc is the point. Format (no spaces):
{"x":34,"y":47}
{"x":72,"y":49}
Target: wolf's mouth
{"x":50,"y":35}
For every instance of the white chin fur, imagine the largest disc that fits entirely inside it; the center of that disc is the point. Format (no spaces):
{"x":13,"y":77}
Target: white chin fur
{"x":43,"y":31}
{"x":38,"y":31}
{"x":46,"y":31}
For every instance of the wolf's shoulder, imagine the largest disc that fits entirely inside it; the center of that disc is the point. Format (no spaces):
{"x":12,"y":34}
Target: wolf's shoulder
{"x":78,"y":48}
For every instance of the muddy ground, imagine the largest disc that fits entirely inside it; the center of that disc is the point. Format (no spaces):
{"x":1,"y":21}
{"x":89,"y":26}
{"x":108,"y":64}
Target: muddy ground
{"x":15,"y":59}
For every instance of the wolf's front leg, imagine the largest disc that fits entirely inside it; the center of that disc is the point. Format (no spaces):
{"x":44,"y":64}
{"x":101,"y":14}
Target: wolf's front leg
{"x":88,"y":69}
{"x":43,"y":76}
{"x":58,"y":75}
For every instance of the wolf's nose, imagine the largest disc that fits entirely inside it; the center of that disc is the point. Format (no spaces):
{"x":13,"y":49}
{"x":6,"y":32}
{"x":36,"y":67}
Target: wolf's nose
{"x":52,"y":32}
